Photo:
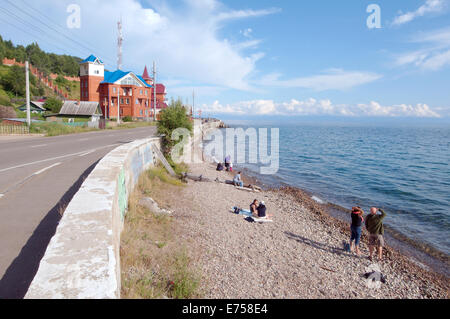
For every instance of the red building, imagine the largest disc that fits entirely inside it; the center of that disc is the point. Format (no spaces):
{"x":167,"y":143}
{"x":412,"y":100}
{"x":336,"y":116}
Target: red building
{"x":133,"y":92}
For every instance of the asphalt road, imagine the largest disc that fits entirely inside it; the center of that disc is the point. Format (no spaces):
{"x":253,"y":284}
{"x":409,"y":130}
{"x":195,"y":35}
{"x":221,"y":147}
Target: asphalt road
{"x":38,"y":177}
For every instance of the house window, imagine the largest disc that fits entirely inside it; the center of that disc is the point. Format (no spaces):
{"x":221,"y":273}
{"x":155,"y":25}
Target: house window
{"x":121,"y":101}
{"x":141,"y":92}
{"x":146,"y":92}
{"x":114,"y":90}
{"x":141,"y":112}
{"x":137,"y":101}
{"x":127,"y":101}
{"x":112,"y":102}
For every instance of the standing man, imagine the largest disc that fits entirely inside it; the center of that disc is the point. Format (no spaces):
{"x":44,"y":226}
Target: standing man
{"x":374,"y":225}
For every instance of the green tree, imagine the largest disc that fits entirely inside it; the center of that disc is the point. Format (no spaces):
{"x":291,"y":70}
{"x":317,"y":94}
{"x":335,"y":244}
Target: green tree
{"x":171,"y":118}
{"x":14,"y":80}
{"x":53,"y":104}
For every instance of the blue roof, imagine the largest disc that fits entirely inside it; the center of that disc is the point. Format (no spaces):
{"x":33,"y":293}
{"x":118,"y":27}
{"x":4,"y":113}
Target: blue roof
{"x":91,"y":58}
{"x":112,"y":77}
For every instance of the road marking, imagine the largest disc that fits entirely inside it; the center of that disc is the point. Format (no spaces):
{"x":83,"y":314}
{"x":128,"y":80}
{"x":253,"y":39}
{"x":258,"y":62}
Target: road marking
{"x":27,"y":178}
{"x":47,"y":168}
{"x":42,"y":145}
{"x":83,"y":139}
{"x":55,"y":158}
{"x":87,"y":153}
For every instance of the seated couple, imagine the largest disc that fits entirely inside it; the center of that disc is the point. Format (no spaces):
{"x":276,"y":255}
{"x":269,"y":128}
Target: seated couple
{"x":259,"y":210}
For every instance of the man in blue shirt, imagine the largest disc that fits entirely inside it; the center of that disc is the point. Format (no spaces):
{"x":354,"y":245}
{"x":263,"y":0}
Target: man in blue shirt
{"x":238,"y":181}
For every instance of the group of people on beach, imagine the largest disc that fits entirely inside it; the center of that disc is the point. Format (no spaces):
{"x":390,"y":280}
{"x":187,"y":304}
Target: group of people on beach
{"x":374,"y":225}
{"x":228,"y":166}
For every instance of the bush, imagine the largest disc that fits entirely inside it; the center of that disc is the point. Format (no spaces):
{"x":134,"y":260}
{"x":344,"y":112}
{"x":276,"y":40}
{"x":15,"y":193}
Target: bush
{"x":14,"y":80}
{"x":127,"y":119}
{"x":53,"y":104}
{"x":172,"y":118}
{"x":4,"y":100}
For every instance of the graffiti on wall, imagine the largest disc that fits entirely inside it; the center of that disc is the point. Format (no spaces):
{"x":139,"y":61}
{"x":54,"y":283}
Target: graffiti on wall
{"x":123,"y":202}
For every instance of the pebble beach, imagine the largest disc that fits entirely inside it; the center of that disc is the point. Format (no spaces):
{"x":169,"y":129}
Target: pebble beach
{"x":301,"y":255}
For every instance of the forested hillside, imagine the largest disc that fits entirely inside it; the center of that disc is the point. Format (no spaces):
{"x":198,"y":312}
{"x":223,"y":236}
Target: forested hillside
{"x":12,"y":79}
{"x":45,"y":62}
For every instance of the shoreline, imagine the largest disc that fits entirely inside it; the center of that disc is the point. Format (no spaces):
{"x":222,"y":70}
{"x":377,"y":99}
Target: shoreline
{"x":298,"y":256}
{"x":420,"y":252}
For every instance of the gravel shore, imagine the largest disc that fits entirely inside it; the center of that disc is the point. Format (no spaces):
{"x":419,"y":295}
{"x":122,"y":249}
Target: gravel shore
{"x":300,"y":255}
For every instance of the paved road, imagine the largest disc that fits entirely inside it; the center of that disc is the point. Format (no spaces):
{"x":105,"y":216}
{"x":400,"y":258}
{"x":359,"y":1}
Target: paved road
{"x":38,"y":177}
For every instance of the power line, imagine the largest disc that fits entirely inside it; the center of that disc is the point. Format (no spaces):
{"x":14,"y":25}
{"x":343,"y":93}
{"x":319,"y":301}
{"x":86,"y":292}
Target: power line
{"x":28,"y":33}
{"x":30,"y":25}
{"x":64,"y":30}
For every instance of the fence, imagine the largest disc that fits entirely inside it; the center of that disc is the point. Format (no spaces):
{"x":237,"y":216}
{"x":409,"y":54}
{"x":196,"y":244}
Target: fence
{"x":14,"y":129}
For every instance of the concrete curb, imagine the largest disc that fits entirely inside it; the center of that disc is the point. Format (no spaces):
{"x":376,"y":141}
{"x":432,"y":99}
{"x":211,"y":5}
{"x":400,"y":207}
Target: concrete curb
{"x":82,"y":259}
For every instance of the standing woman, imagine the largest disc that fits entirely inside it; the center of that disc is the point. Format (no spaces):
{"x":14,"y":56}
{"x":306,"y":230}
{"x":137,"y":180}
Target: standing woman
{"x":356,"y":228}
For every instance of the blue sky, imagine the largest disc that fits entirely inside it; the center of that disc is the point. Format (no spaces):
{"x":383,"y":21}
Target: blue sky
{"x":289,"y":58}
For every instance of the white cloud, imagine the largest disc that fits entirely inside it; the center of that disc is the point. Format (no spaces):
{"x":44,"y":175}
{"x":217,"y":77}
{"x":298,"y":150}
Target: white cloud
{"x":430,"y":6}
{"x":183,"y":39}
{"x":434,"y":56}
{"x":333,"y":79}
{"x":313,"y":107}
{"x":239,"y":14}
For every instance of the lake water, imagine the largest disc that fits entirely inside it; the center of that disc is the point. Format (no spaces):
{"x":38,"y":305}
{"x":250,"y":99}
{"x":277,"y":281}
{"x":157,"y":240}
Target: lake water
{"x":404,"y":170}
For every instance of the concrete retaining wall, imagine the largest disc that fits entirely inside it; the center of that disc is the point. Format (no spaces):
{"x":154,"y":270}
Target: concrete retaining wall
{"x":201,"y":130}
{"x":83,"y":257}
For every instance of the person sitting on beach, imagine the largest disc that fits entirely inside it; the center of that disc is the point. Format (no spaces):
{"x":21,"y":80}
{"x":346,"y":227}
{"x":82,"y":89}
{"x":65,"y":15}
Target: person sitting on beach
{"x":227,"y":162}
{"x":356,"y":228}
{"x":231,"y":167}
{"x":254,"y":208}
{"x":262,"y":211}
{"x":238,"y":181}
{"x":374,"y":225}
{"x":220,"y":167}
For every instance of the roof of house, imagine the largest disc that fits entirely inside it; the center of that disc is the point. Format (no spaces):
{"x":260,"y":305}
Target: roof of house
{"x":80,"y":108}
{"x":145,"y":75}
{"x":92,"y":58}
{"x":22,"y":120}
{"x":36,"y":104}
{"x":159,"y":105}
{"x":160,"y":88}
{"x":112,"y":77}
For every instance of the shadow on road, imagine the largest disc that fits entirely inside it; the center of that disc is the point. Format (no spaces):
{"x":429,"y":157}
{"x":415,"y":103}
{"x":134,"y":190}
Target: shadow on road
{"x":20,"y":274}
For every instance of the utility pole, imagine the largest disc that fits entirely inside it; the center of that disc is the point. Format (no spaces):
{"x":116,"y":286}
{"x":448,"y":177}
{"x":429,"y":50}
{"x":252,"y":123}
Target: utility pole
{"x":193,"y":103}
{"x":118,"y":107}
{"x":119,"y":44}
{"x":154,"y":91}
{"x":27,"y":79}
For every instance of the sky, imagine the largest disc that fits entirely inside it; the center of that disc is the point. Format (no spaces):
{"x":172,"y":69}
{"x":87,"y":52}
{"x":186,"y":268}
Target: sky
{"x":263,"y":58}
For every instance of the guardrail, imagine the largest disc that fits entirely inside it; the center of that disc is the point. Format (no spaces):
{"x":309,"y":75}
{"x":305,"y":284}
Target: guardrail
{"x":82,"y":259}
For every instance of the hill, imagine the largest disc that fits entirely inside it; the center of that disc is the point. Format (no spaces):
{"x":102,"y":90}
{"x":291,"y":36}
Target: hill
{"x":12,"y":78}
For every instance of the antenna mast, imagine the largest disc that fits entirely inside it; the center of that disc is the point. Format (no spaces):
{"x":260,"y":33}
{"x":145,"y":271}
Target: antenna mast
{"x":119,"y":45}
